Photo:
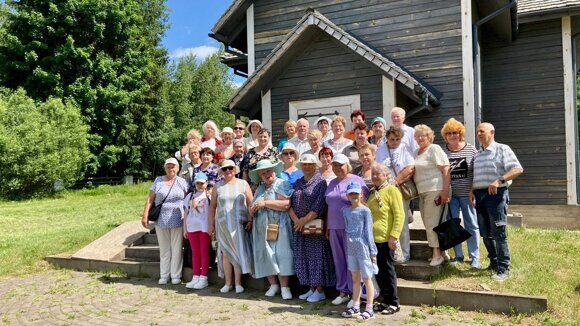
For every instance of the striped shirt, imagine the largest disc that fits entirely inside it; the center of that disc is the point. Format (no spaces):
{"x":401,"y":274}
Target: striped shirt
{"x":461,"y":169}
{"x":492,"y":163}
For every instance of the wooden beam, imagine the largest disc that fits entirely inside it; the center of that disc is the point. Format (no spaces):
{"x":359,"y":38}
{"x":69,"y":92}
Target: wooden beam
{"x":250,"y":36}
{"x":468,"y":71}
{"x":569,"y":111}
{"x":389,"y":98}
{"x":267,"y":109}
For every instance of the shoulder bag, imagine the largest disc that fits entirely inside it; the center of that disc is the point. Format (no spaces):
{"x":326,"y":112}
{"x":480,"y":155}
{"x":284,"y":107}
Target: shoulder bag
{"x":155,"y":210}
{"x":408,"y":188}
{"x":450,"y":233}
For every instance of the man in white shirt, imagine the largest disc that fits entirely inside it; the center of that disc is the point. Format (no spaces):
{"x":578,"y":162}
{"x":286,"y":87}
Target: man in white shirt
{"x":300,"y":141}
{"x":398,"y":121}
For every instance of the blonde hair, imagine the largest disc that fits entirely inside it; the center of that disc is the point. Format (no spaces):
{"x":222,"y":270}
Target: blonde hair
{"x":314,"y":133}
{"x":370,"y":147}
{"x":426,"y":129}
{"x":240,"y":122}
{"x":290,"y":123}
{"x":340,"y":119}
{"x":193,"y":133}
{"x":453,"y":125}
{"x":398,"y":109}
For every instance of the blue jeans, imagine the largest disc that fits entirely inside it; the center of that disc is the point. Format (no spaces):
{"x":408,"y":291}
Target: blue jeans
{"x":492,"y":219}
{"x":456,"y":204}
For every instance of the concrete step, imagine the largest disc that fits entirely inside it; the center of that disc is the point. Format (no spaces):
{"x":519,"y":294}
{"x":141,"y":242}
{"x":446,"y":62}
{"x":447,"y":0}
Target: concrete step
{"x":418,"y":234}
{"x":420,"y":250}
{"x":416,"y":269}
{"x":150,"y":239}
{"x":147,"y":252}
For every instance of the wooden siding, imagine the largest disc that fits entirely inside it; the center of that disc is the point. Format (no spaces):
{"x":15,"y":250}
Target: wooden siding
{"x":523,"y":97}
{"x":323,"y":70}
{"x":424,"y":36}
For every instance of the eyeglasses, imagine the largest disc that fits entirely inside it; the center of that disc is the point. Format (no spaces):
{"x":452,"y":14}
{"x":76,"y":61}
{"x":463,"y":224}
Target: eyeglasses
{"x":228,"y":168}
{"x":288,"y":153}
{"x":452,"y":133}
{"x":238,"y":128}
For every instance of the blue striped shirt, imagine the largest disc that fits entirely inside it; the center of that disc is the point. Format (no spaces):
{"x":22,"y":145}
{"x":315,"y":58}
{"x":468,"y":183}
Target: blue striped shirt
{"x":492,"y":163}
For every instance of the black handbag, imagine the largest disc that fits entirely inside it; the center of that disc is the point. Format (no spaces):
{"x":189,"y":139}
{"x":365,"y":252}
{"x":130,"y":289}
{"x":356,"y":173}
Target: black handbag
{"x":155,"y":210}
{"x":450,"y":233}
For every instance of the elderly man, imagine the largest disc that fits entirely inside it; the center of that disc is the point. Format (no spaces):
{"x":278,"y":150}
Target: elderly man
{"x":494,"y":168}
{"x":300,"y":141}
{"x":398,"y":121}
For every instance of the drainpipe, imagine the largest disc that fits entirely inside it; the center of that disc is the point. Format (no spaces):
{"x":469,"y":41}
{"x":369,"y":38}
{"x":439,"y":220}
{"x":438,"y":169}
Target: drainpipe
{"x":574,"y":65}
{"x":477,"y":57}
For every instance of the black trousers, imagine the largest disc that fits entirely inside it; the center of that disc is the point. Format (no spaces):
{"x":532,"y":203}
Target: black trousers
{"x":387,"y":277}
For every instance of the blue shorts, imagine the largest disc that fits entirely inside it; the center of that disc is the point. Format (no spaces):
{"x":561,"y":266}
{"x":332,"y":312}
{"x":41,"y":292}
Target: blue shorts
{"x":364,"y":266}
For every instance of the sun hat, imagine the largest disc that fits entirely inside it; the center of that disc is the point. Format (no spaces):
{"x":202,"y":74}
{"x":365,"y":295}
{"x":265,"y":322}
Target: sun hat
{"x":322,"y":118}
{"x":381,"y":120}
{"x":308,"y":159}
{"x":353,"y":188}
{"x":171,"y":160}
{"x":249,"y":126}
{"x":228,"y":163}
{"x":264,"y":165}
{"x":227,"y":130}
{"x":288,"y":147}
{"x":340,"y":158}
{"x":200,"y":177}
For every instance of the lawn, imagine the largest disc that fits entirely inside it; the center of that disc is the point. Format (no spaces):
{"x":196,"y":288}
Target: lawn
{"x":545,"y":262}
{"x":37,"y":228}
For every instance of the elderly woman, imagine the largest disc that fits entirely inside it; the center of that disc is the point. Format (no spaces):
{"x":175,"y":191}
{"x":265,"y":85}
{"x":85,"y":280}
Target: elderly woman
{"x":193,"y":138}
{"x":323,"y":125}
{"x":226,"y":149}
{"x":315,"y":141}
{"x":401,"y":164}
{"x":378,"y":126}
{"x":366,"y":154}
{"x":433,"y":184}
{"x":386,"y":205}
{"x":338,"y":142}
{"x":210,"y":138}
{"x":336,"y":200}
{"x":312,"y":254}
{"x":168,"y":191}
{"x":290,"y":130}
{"x":325,"y":157}
{"x":263,"y":151}
{"x":187,"y":171}
{"x":253,"y":128}
{"x":272,"y":257}
{"x":207,"y":166}
{"x":239,"y":130}
{"x":229,"y":219}
{"x":239,"y":156}
{"x":290,"y":172}
{"x":461,"y":156}
{"x":361,"y":132}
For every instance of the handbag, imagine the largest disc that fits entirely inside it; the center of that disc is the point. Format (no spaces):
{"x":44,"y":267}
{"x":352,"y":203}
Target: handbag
{"x":408,"y":188}
{"x":450,"y":233}
{"x":272,"y":232}
{"x":155,"y":210}
{"x":314,"y":227}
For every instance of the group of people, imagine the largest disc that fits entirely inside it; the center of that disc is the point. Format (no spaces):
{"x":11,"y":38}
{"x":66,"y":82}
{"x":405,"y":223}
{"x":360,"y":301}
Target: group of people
{"x":326,"y":204}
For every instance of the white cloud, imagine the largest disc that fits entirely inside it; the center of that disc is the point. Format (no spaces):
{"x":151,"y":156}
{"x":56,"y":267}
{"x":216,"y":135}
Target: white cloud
{"x":201,"y":52}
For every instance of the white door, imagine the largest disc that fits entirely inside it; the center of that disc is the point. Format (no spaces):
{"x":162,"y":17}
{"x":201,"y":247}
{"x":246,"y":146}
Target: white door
{"x":329,"y":107}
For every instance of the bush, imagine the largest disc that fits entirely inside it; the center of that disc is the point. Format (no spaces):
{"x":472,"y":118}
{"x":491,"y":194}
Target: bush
{"x":40,"y":144}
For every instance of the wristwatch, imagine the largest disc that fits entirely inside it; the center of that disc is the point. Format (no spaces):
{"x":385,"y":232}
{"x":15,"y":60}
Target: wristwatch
{"x":501,"y":180}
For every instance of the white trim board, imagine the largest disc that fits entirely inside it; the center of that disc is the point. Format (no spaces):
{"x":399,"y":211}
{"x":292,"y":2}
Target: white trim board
{"x":468,"y":71}
{"x":389,"y":98}
{"x":569,"y":111}
{"x":347,"y":104}
{"x":267,"y":110}
{"x":250,"y":39}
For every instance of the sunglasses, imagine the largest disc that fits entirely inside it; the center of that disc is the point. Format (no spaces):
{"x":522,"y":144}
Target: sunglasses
{"x":228,"y":168}
{"x":452,"y":133}
{"x":238,"y":128}
{"x":288,"y":153}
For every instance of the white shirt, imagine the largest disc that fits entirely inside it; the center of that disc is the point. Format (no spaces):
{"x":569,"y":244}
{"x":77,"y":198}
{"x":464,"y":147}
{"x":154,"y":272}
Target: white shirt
{"x":197,"y":218}
{"x":301,"y":145}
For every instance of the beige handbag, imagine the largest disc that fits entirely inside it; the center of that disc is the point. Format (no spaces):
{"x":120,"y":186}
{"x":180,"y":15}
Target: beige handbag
{"x":314,"y":227}
{"x":272,"y":232}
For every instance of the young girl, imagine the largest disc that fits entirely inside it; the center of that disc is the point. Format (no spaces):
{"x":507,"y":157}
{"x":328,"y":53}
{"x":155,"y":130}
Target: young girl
{"x":195,"y":229}
{"x":361,"y":250}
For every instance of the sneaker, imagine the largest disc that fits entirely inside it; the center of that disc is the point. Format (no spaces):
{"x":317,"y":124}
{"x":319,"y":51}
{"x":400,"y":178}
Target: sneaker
{"x":492,"y":267}
{"x":456,"y":261}
{"x":175,"y":281}
{"x":273,"y":290}
{"x":475,"y":264}
{"x":163,"y":281}
{"x":194,"y":280}
{"x":239,"y":289}
{"x":500,"y":276}
{"x":226,"y":288}
{"x":350,"y":304}
{"x":201,"y":283}
{"x":437,"y":261}
{"x":316,"y":297}
{"x":340,"y":300}
{"x":286,"y":294}
{"x":306,"y":295}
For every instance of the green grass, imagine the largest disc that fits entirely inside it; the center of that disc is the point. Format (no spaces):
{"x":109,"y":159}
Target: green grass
{"x":37,"y":228}
{"x":544,"y":263}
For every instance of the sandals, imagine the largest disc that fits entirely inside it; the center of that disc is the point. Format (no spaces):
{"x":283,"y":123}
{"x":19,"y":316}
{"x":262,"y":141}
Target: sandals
{"x":366,"y":315}
{"x":391,"y":310}
{"x":350,"y":312}
{"x":378,"y":307}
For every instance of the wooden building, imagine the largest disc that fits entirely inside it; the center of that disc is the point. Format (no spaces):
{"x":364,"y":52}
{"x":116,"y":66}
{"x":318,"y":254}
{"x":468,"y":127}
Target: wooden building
{"x":508,"y":62}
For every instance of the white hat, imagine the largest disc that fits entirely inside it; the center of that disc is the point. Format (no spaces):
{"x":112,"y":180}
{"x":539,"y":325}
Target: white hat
{"x":307,"y":159}
{"x":228,"y":163}
{"x":323,"y":118}
{"x":248,"y":128}
{"x":171,"y":160}
{"x":340,"y":158}
{"x":288,"y":146}
{"x":227,"y":130}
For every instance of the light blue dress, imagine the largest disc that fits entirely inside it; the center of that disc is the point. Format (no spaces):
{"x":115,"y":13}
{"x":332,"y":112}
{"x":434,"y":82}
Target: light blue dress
{"x":273,"y":257}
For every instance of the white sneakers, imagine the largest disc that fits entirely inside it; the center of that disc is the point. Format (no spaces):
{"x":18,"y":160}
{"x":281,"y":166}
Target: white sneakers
{"x":239,"y":289}
{"x":175,"y":281}
{"x":306,"y":295}
{"x":194,"y":280}
{"x":437,"y":261}
{"x":163,"y":281}
{"x":316,"y":297}
{"x":340,"y":300}
{"x":286,"y":294}
{"x":275,"y":289}
{"x":226,"y":288}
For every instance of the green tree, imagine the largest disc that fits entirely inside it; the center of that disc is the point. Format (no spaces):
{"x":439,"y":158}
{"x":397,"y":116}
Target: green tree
{"x":40,"y":144}
{"x":104,"y":55}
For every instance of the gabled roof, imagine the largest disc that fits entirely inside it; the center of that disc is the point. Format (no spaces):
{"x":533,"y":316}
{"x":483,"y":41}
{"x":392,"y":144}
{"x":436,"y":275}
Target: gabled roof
{"x":236,"y":9}
{"x":533,"y":7}
{"x":310,"y":25}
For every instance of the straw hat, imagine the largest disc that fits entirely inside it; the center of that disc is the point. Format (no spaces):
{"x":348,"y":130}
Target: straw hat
{"x":288,"y":147}
{"x":308,"y":159}
{"x":228,"y":163}
{"x":264,"y":165}
{"x":249,"y":126}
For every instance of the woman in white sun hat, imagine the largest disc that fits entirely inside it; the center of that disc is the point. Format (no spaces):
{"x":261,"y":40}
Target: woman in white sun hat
{"x":253,"y":128}
{"x":289,"y":156}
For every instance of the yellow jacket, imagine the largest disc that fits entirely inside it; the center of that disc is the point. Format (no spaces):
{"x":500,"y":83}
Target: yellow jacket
{"x":389,"y":216}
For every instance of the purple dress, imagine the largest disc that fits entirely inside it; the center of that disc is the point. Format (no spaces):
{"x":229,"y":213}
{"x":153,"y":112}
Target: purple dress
{"x":312,"y":256}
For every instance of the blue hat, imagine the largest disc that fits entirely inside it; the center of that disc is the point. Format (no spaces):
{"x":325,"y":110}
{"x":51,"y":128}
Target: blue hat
{"x":264,"y":165}
{"x":200,"y":177}
{"x":353,"y":187}
{"x":381,"y":120}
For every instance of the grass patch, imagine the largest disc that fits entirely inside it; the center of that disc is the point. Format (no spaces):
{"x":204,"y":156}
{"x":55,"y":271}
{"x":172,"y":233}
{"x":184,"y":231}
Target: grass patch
{"x":41,"y":227}
{"x":544,"y":263}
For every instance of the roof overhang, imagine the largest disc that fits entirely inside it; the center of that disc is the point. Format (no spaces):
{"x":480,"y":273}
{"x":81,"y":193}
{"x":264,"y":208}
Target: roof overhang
{"x":308,"y":28}
{"x":505,"y":22}
{"x":230,"y":20}
{"x":538,"y":10}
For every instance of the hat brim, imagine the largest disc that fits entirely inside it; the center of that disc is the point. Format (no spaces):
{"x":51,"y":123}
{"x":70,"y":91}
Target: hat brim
{"x":249,"y":127}
{"x":296,"y":157}
{"x":299,"y":164}
{"x":255,"y":173}
{"x":236,"y":170}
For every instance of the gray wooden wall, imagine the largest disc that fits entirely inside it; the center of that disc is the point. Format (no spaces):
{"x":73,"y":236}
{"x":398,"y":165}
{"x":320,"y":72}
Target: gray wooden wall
{"x":422,"y":35}
{"x":523,"y":96}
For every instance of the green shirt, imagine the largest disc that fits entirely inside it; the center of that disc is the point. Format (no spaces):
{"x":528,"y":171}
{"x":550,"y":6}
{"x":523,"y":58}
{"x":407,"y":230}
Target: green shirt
{"x":388,"y":213}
